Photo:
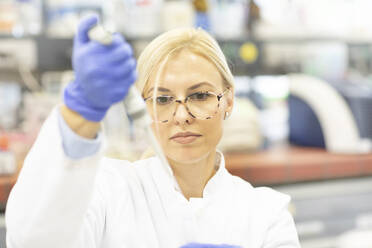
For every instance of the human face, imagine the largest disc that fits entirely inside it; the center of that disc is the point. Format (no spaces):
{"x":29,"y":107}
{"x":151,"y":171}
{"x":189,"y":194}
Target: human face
{"x":186,"y":73}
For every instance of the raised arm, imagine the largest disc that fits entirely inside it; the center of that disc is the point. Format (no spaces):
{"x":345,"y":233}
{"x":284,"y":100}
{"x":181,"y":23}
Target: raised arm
{"x":57,"y":200}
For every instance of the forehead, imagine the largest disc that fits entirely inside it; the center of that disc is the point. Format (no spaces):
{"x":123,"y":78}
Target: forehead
{"x":185,"y":69}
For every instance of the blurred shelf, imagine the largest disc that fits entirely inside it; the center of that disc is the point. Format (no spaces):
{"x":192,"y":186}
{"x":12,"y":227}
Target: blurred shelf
{"x":54,"y":54}
{"x":243,"y":38}
{"x":296,"y":164}
{"x":350,"y":41}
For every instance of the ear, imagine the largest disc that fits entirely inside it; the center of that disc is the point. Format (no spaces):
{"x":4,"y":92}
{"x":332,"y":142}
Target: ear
{"x":229,"y":101}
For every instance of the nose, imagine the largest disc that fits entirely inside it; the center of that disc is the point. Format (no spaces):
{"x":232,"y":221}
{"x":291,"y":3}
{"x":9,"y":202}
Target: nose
{"x":181,"y":115}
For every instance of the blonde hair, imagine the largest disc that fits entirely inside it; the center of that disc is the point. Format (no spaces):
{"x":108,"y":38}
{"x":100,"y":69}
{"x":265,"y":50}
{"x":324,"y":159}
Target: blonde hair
{"x":158,"y":52}
{"x":166,"y":44}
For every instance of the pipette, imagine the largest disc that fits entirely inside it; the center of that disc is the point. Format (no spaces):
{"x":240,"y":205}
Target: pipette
{"x":133,"y":102}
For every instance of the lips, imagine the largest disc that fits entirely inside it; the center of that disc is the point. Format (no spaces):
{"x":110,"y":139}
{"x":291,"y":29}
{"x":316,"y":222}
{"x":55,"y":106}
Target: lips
{"x":185,"y":137}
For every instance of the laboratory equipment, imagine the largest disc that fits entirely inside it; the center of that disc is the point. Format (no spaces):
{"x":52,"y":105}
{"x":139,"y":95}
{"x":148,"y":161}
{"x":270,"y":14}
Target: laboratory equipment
{"x":176,"y":14}
{"x":133,"y":102}
{"x":337,"y":123}
{"x":229,"y":18}
{"x":140,"y":18}
{"x":10,"y":101}
{"x":358,"y":95}
{"x":7,"y":158}
{"x":201,"y":15}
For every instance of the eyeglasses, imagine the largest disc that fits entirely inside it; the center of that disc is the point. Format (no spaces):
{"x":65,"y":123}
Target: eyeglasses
{"x":200,"y":105}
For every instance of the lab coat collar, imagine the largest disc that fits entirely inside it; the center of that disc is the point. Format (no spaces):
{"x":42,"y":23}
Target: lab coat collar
{"x":214,"y":187}
{"x":216,"y":184}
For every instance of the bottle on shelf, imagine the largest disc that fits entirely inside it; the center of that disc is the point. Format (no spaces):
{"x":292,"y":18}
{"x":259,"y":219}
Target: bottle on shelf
{"x":7,"y":158}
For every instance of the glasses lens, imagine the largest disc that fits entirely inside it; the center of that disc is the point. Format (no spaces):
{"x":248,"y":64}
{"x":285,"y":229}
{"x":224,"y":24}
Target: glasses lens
{"x":163,"y":109}
{"x":202,"y":105}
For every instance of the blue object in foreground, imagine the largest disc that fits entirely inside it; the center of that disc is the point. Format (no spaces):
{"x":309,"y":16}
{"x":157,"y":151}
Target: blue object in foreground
{"x":198,"y":245}
{"x":103,"y":73}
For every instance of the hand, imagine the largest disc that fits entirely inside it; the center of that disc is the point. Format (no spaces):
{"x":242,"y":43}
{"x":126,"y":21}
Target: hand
{"x":103,"y":74}
{"x":198,"y":245}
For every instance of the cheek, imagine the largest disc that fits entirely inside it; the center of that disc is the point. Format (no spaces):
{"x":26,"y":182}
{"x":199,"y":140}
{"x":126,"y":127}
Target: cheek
{"x":212,"y":130}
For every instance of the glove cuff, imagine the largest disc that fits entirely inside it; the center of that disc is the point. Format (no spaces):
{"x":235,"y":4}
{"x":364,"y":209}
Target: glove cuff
{"x":74,"y":100}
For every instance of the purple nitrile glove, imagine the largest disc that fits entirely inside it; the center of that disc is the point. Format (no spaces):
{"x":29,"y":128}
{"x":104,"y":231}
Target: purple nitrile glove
{"x":103,"y":73}
{"x":198,"y":245}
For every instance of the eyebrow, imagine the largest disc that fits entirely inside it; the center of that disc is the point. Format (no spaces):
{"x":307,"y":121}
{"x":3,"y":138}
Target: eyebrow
{"x":190,"y":88}
{"x":200,"y":84}
{"x":159,"y":89}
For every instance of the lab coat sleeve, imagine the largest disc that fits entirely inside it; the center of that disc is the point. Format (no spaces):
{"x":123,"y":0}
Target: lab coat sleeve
{"x":75,"y":146}
{"x":281,"y":232}
{"x":56,"y":201}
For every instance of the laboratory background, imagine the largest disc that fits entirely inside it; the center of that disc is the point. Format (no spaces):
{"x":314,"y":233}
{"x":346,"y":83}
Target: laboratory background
{"x":302,"y":119}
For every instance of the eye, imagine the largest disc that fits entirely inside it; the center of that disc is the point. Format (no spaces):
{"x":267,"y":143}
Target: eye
{"x":163,"y":100}
{"x":200,"y":96}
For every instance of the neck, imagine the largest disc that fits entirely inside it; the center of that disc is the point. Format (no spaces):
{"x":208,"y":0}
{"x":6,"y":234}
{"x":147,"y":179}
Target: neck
{"x":193,"y":176}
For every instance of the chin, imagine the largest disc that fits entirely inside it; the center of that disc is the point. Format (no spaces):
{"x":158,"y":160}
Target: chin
{"x":187,"y":154}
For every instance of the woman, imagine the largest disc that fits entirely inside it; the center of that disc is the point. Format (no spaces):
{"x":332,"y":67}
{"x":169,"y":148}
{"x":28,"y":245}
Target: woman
{"x":68,"y":195}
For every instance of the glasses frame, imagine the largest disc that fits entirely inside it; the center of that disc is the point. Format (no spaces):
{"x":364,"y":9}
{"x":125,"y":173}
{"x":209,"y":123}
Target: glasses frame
{"x":183,"y":102}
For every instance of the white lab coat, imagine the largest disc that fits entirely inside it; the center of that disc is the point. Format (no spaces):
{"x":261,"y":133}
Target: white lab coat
{"x":98,"y":202}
